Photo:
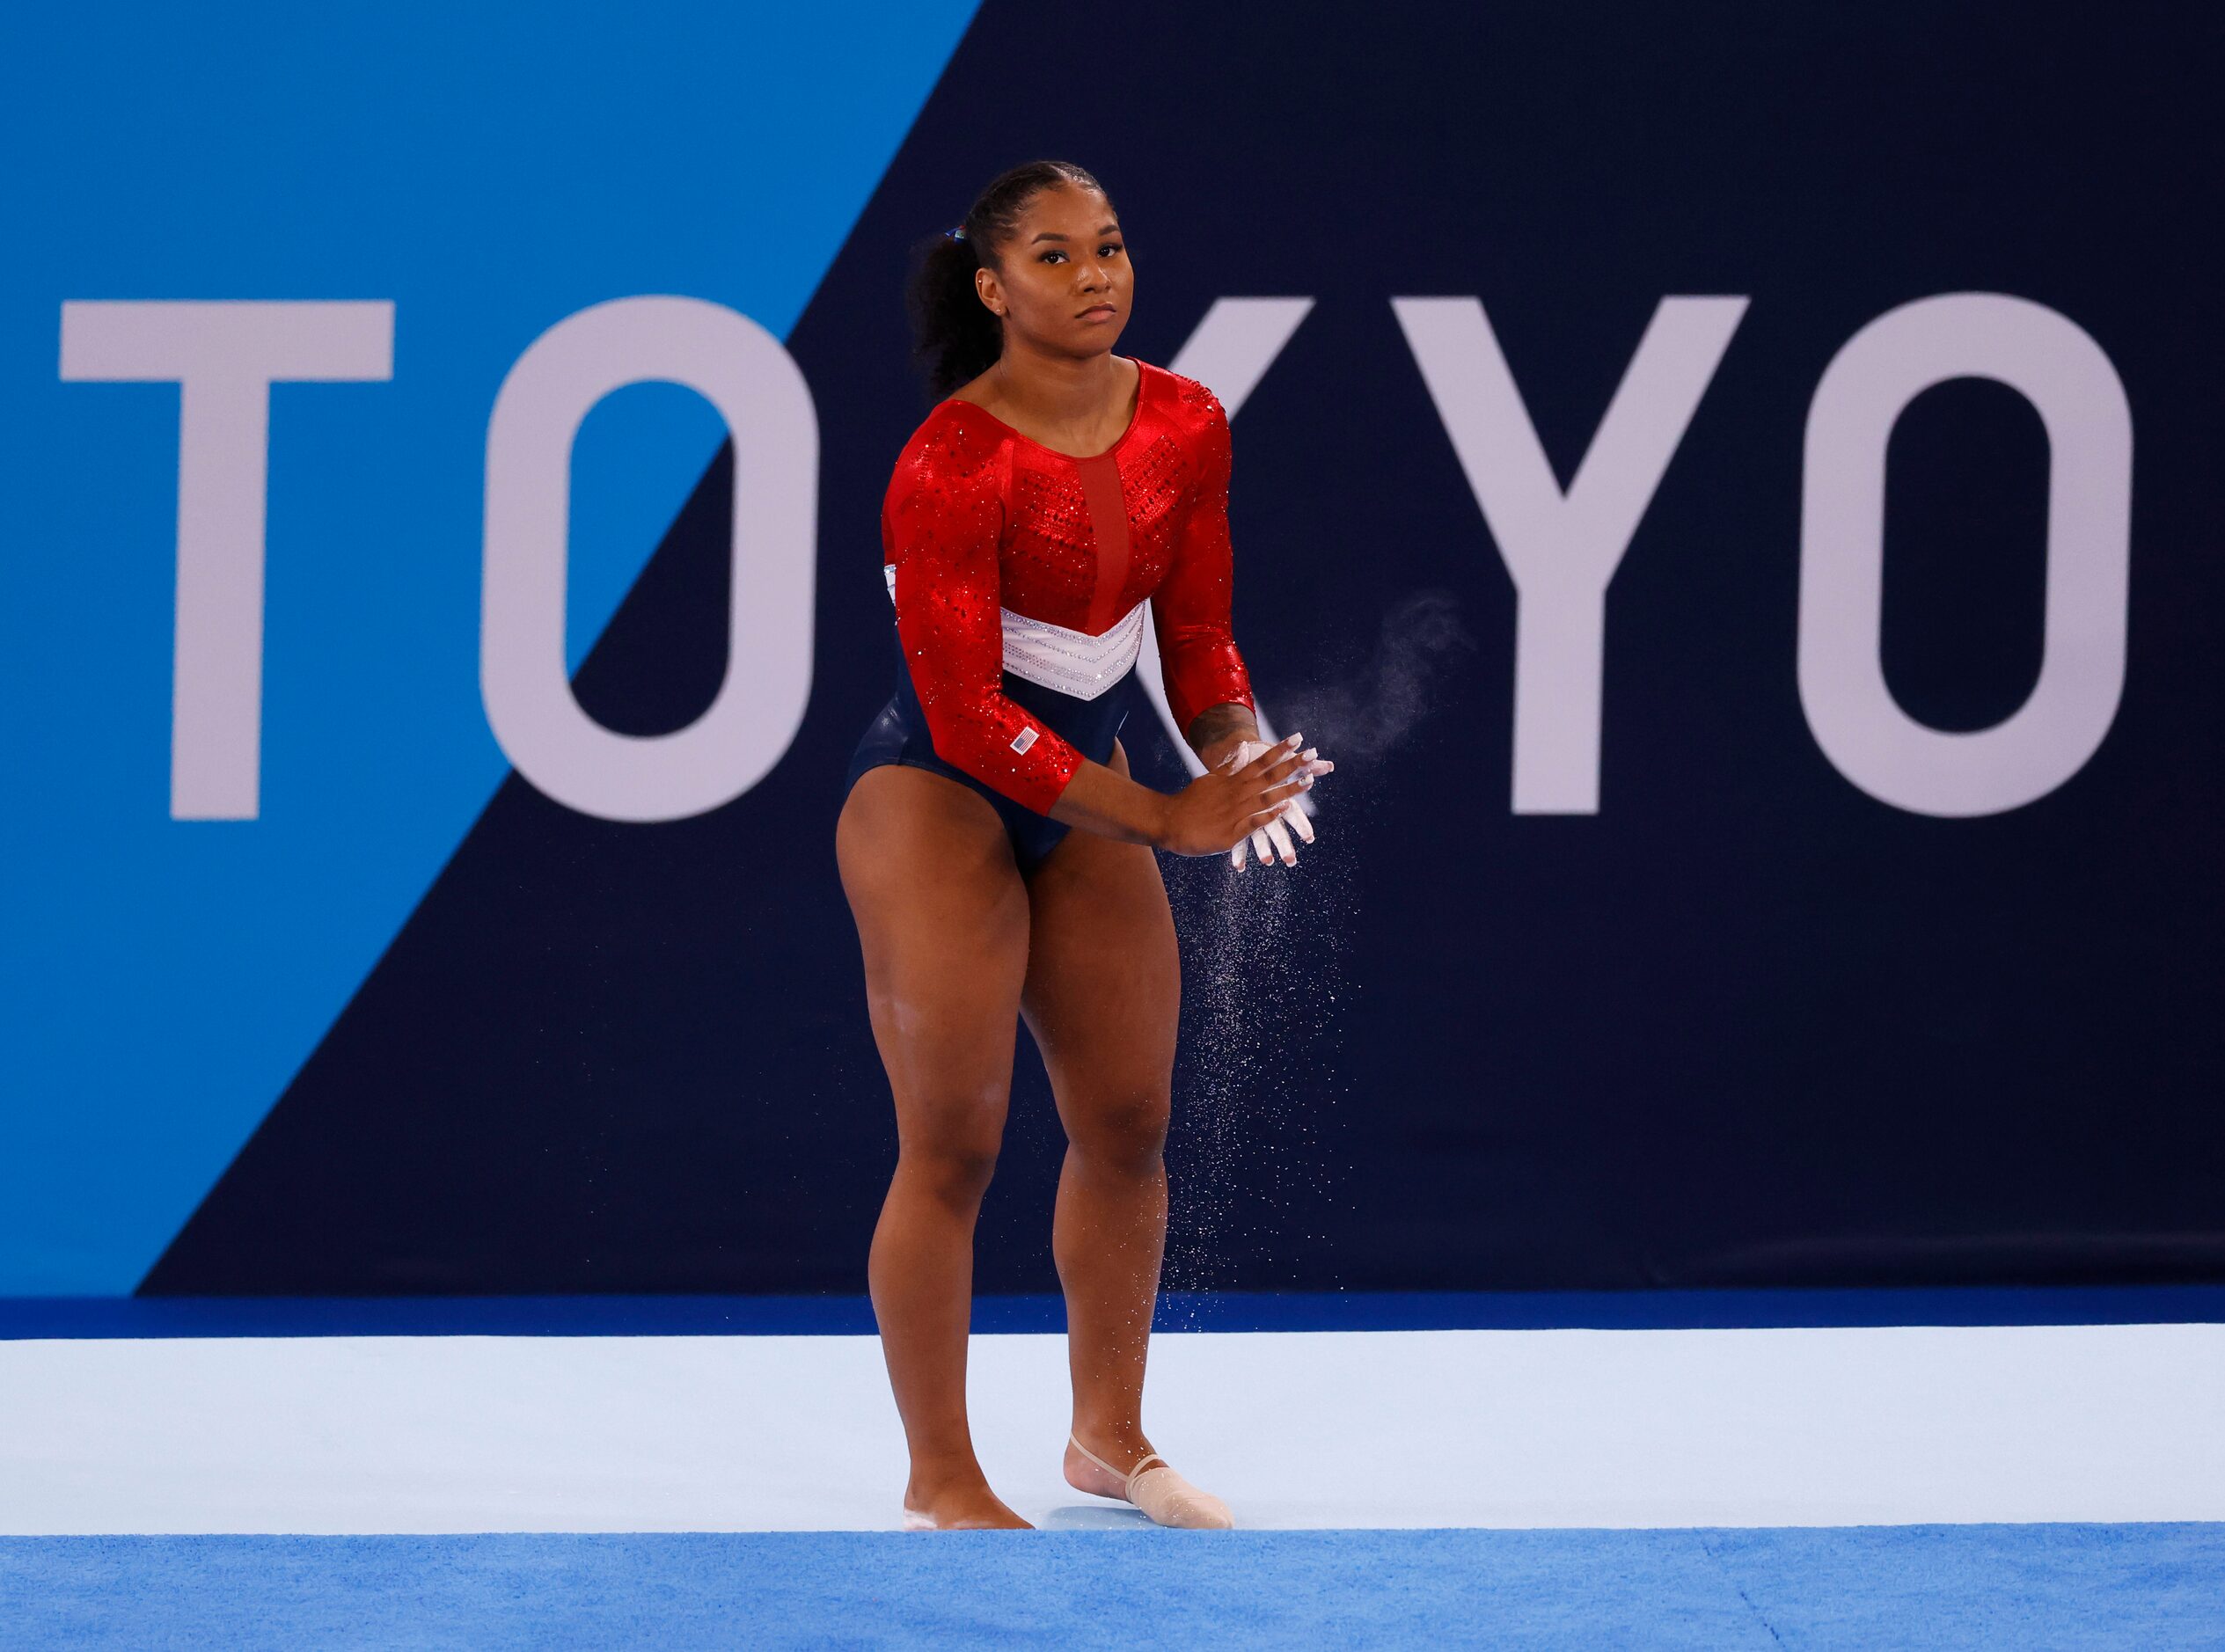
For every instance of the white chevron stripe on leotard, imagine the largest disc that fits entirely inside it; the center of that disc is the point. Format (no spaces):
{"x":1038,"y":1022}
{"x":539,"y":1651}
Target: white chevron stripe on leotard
{"x":1071,"y":661}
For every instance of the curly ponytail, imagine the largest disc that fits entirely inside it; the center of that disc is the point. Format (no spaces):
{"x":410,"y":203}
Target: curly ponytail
{"x":955,"y":336}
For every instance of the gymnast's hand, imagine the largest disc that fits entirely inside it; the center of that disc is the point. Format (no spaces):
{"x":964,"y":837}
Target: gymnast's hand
{"x":1222,"y":807}
{"x":1273,"y":839}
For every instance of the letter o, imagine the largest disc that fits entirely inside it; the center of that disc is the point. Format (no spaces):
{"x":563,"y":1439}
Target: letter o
{"x":749,"y":379}
{"x":2050,"y":361}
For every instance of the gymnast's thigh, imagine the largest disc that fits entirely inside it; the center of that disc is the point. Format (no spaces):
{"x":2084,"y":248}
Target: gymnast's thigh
{"x":942,"y":923}
{"x":1103,"y":988}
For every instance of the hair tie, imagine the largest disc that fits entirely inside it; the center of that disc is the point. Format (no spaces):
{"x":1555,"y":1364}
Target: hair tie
{"x":958,"y":234}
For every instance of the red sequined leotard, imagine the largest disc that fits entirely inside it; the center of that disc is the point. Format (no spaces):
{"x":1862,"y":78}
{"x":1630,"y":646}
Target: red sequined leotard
{"x":1017,"y":572}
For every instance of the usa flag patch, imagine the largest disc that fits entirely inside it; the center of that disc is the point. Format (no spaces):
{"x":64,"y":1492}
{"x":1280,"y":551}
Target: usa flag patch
{"x":1024,"y":739}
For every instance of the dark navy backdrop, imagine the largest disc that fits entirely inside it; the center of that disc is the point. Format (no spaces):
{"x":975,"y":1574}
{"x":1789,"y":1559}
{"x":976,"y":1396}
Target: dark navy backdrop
{"x":1743,"y":1025}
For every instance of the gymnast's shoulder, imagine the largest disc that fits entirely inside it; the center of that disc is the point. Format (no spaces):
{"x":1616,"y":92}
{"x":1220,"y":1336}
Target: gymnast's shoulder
{"x":956,"y":439}
{"x":1190,"y":405}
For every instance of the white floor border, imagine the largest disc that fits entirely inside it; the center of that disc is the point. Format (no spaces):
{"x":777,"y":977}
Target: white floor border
{"x":1387,"y":1428}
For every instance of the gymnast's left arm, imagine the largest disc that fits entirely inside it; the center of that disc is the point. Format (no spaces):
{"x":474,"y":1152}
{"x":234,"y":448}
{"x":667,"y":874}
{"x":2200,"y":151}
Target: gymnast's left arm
{"x":1208,"y":689}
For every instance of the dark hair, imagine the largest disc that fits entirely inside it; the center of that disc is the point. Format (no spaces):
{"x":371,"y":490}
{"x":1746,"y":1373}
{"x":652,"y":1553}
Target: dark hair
{"x":955,"y":336}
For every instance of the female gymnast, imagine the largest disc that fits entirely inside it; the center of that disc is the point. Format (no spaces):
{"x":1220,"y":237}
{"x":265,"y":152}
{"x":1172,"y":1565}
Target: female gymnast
{"x":1053,"y":489}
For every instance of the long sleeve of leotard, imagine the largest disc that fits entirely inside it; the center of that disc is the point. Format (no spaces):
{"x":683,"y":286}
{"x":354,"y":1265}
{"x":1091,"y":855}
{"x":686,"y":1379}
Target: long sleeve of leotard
{"x":940,"y":526}
{"x":1190,"y":611}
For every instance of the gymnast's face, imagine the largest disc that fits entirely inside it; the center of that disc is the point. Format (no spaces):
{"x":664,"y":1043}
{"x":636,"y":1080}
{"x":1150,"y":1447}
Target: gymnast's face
{"x":1063,"y":282}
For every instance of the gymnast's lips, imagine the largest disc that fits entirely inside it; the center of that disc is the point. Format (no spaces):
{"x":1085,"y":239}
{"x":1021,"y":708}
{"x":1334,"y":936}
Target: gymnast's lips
{"x":1095,"y":308}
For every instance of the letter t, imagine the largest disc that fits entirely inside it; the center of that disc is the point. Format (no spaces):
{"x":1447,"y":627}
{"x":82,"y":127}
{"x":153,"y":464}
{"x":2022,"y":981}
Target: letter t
{"x":224,"y":358}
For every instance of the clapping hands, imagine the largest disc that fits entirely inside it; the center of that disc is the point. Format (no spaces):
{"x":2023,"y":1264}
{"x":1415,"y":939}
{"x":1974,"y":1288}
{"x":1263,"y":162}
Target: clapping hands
{"x":1272,"y":840}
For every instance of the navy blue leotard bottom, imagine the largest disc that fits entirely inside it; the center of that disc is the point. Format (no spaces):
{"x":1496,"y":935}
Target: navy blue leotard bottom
{"x":899,"y":735}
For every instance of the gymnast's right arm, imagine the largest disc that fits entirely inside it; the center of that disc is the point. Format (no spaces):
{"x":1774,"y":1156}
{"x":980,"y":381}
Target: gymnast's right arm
{"x":1209,"y":816}
{"x":940,"y":528}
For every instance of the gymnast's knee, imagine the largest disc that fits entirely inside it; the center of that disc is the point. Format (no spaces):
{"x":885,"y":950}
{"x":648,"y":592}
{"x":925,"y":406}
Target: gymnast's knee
{"x":954,"y":1166}
{"x":1126,"y":1134}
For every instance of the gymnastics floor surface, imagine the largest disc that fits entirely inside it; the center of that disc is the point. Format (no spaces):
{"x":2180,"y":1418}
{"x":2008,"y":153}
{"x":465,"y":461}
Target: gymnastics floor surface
{"x":180,"y":1481}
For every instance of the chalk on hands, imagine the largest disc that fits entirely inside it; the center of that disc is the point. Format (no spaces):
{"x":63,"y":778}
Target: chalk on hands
{"x":1272,"y":840}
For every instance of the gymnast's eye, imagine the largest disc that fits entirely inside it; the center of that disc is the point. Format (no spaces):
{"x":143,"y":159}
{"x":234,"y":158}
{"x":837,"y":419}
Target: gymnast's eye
{"x":1110,"y":246}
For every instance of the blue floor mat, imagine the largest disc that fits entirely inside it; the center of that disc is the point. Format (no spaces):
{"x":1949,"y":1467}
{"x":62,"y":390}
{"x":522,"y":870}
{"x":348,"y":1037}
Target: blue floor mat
{"x":2025,"y":1587}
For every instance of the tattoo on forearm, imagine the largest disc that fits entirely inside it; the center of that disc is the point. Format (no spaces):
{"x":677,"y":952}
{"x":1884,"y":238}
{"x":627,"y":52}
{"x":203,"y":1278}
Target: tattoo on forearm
{"x":1217,"y":723}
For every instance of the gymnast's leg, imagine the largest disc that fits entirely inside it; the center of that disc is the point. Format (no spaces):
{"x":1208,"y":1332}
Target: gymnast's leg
{"x":942,"y":922}
{"x":1103,"y":987}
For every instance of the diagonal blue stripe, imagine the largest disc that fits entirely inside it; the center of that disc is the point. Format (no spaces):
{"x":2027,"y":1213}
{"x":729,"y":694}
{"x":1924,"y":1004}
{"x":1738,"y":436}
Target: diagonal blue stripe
{"x":489,"y":170}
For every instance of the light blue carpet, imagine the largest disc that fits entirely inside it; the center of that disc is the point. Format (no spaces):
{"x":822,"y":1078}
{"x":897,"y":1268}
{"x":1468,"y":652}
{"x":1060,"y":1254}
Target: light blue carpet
{"x":2026,"y":1587}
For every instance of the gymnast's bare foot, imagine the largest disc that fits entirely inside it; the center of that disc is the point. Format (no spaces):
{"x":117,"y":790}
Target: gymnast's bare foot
{"x":957,"y":1503}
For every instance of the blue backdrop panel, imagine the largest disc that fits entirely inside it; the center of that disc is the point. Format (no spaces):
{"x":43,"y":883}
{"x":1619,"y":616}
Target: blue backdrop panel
{"x":1744,"y":1022}
{"x":488,"y":171}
